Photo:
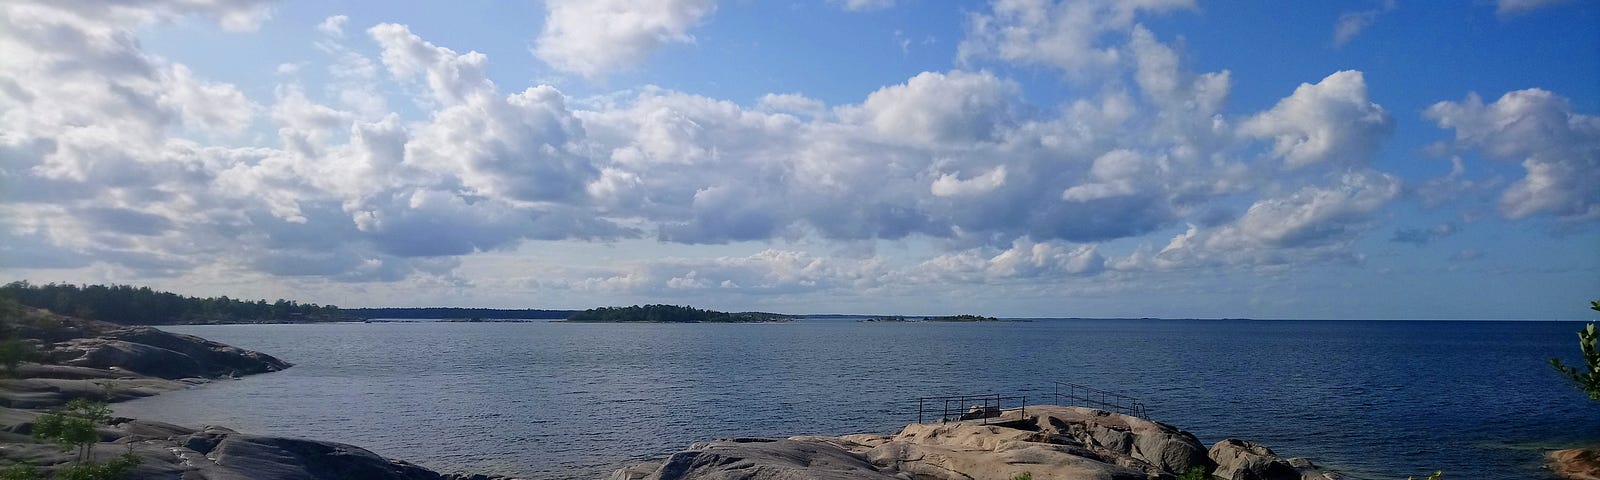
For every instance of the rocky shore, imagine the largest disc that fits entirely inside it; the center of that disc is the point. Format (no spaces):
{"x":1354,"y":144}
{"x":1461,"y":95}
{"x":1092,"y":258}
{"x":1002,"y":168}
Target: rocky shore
{"x":79,"y":358}
{"x":1038,"y":442}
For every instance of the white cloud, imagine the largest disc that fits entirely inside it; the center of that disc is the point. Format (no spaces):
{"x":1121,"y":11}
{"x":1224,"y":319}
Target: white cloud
{"x":333,"y":26}
{"x":452,"y":78}
{"x":933,"y":107}
{"x":1351,"y":24}
{"x":1067,"y":35}
{"x":1312,"y":224}
{"x":793,"y":103}
{"x":1331,"y":121}
{"x":950,"y":185}
{"x":1559,"y":149}
{"x":863,"y":5}
{"x":990,"y":187}
{"x":769,"y":272}
{"x":595,"y":37}
{"x":1507,"y":8}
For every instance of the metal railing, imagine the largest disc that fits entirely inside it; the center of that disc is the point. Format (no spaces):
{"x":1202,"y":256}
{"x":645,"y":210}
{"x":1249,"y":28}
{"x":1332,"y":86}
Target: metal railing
{"x":967,"y":407}
{"x":1072,"y":394}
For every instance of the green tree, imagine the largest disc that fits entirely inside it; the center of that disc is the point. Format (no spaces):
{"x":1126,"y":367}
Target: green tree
{"x":1587,"y":380}
{"x":13,"y":351}
{"x":73,"y":427}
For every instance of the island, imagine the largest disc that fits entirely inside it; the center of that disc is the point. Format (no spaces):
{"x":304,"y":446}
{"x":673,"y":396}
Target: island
{"x":962,"y":318}
{"x":671,"y":314}
{"x":891,"y":318}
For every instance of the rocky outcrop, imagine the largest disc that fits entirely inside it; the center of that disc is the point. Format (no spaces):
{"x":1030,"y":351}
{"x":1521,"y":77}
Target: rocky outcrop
{"x":85,"y":358}
{"x":1044,"y":442}
{"x":1245,"y":460}
{"x":1575,"y":464}
{"x":215,"y":453}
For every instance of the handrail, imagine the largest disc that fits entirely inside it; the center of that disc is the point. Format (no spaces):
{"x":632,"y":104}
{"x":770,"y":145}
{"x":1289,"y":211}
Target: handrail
{"x":1084,"y":395}
{"x":967,"y":407}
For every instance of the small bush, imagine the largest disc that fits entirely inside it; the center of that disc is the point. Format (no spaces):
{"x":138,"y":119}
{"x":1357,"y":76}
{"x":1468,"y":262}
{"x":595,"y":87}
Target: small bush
{"x":20,"y":471}
{"x":1195,"y":473}
{"x":1585,"y":377}
{"x":1023,"y":476}
{"x":114,"y":469}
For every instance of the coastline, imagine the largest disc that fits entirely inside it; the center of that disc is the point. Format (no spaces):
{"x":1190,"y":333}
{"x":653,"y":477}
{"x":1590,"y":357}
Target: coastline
{"x":1035,"y":441}
{"x":101,"y":361}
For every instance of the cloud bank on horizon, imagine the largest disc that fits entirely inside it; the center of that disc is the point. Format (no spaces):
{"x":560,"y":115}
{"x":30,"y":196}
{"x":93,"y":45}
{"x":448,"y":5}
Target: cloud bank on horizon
{"x":1063,"y":158}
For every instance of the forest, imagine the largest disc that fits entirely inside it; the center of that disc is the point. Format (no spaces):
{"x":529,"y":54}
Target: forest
{"x":130,"y":305}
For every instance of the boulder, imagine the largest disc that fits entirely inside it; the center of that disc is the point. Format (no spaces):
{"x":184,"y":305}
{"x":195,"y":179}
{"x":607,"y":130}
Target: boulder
{"x":1163,"y":447}
{"x":1245,"y":460}
{"x":1575,"y":464}
{"x":1048,"y":442}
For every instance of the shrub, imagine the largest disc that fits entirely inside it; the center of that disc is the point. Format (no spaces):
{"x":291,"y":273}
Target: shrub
{"x":1587,"y":380}
{"x":73,"y":426}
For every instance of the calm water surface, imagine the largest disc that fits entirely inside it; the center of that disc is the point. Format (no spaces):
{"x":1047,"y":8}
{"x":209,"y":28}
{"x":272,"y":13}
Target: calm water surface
{"x":1378,"y":400}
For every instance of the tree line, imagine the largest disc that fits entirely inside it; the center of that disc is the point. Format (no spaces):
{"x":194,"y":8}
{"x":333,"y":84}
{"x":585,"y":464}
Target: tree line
{"x":456,"y":312}
{"x":669,"y":314}
{"x":130,"y":305}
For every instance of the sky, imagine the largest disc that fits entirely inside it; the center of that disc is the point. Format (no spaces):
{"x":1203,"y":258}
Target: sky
{"x":1389,"y":159}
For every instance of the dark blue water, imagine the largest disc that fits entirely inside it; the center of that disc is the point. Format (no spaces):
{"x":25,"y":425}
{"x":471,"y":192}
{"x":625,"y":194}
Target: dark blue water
{"x":1378,"y":400}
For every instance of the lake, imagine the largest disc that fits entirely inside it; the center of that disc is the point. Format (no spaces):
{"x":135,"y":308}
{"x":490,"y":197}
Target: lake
{"x":1374,"y":399}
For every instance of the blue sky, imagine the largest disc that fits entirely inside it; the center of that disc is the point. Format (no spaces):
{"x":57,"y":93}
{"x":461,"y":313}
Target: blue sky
{"x":1172,"y":158}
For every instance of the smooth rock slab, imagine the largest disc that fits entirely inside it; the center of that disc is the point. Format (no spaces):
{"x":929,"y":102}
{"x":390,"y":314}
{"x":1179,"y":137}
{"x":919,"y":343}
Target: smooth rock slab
{"x":759,"y":459}
{"x":1575,"y":464}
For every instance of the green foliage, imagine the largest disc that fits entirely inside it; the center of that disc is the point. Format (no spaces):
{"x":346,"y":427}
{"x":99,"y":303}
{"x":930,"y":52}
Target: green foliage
{"x":20,"y":471}
{"x":129,"y":305}
{"x":1439,"y":475}
{"x":1586,"y":379}
{"x":1023,"y":476}
{"x":73,"y":426}
{"x":1195,"y":473}
{"x":13,"y":351}
{"x":669,"y":314}
{"x":114,"y":469}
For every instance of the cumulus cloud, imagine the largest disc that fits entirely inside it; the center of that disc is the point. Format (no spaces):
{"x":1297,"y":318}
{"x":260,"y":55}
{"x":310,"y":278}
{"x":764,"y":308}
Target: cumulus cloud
{"x":1023,"y":259}
{"x":936,"y":107}
{"x":1313,"y":224}
{"x":1330,"y":121}
{"x":1557,"y":147}
{"x":999,"y":190}
{"x":595,"y":37}
{"x":1068,"y":35}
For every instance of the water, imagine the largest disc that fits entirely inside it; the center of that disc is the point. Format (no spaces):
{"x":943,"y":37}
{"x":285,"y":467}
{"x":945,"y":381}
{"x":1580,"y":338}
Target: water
{"x":1377,"y":400}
